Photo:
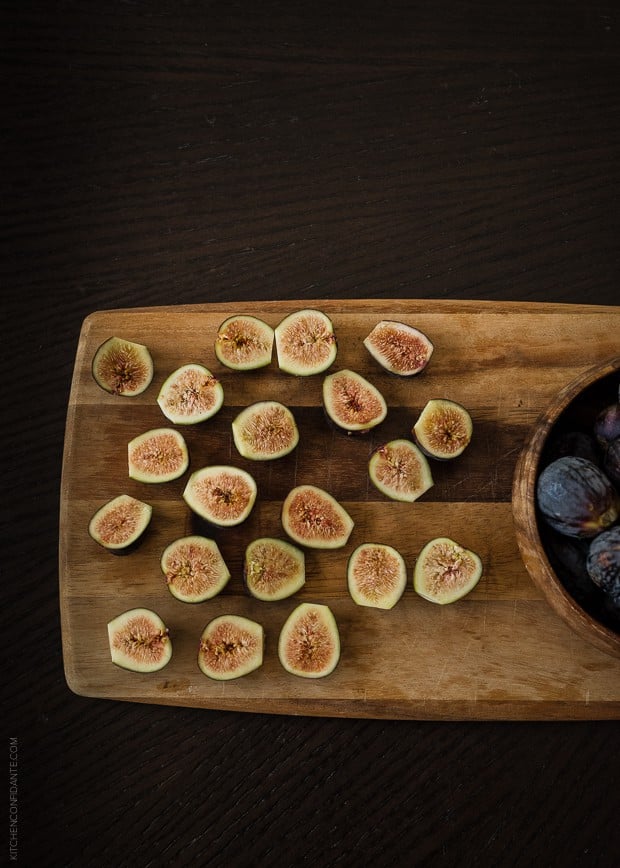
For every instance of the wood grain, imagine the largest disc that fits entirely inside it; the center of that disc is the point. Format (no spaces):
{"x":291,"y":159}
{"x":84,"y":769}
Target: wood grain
{"x":501,"y":653}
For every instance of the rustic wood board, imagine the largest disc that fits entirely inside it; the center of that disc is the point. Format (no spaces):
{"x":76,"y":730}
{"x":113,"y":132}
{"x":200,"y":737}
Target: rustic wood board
{"x":501,"y":653}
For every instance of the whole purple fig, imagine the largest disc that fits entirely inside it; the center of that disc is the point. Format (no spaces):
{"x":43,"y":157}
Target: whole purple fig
{"x":607,"y":425}
{"x":575,"y":498}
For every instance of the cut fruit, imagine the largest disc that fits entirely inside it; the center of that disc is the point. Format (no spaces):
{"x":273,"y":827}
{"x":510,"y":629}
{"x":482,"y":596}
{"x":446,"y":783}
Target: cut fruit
{"x":309,"y":643}
{"x":139,"y":641}
{"x":159,"y":455}
{"x":444,"y":429}
{"x":120,"y":523}
{"x":313,"y":518}
{"x":273,"y":569}
{"x":305,"y":343}
{"x":376,"y":575}
{"x":222,"y":495}
{"x":244,"y":343}
{"x":122,"y":367}
{"x":194,"y":569}
{"x":399,"y":348}
{"x":352,"y":403}
{"x":230,"y":646}
{"x":191,"y":394}
{"x":445,"y":571}
{"x":400,"y":471}
{"x":264,"y":431}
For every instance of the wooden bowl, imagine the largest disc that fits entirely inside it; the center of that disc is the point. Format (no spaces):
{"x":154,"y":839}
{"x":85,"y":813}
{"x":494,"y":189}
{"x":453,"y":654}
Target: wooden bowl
{"x":574,"y":408}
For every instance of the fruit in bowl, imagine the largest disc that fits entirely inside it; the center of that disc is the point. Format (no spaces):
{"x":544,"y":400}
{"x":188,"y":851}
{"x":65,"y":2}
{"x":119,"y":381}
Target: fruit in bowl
{"x":566,"y":506}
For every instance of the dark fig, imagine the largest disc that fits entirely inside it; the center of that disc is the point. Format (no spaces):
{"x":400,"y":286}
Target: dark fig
{"x":194,"y":569}
{"x":376,"y":575}
{"x":222,"y":495}
{"x":603,"y":562}
{"x":568,"y":557}
{"x":309,"y":643}
{"x":119,"y":524}
{"x":443,"y":429}
{"x":313,"y":518}
{"x":607,"y":425}
{"x":399,"y":348}
{"x":400,"y":471}
{"x":611,"y":463}
{"x":305,"y":343}
{"x":122,"y":367}
{"x":159,"y":455}
{"x":575,"y":498}
{"x":244,"y":343}
{"x":352,"y":403}
{"x":574,"y":443}
{"x":445,"y":572}
{"x":230,"y":646}
{"x":273,"y":569}
{"x":264,"y":431}
{"x":191,"y":394}
{"x":139,"y":641}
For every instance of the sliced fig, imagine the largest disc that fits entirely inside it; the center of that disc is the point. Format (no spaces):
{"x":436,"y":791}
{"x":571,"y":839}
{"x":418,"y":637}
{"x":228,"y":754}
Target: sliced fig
{"x":221,"y":494}
{"x":603,"y":563}
{"x":158,"y":455}
{"x":230,"y":646}
{"x":376,"y":575}
{"x":400,"y":471}
{"x":445,"y":572}
{"x":119,"y":524}
{"x":122,"y":367}
{"x":444,"y":429}
{"x":139,"y":641}
{"x":194,"y":569}
{"x":575,"y":498}
{"x":313,"y":518}
{"x":305,"y":343}
{"x":244,"y":343}
{"x":399,"y":348}
{"x":264,"y":431}
{"x":273,"y":569}
{"x":352,"y":403}
{"x":309,"y":643}
{"x":607,"y":425}
{"x":191,"y":394}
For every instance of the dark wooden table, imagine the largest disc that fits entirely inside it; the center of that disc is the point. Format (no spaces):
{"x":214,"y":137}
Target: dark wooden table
{"x":165,"y":152}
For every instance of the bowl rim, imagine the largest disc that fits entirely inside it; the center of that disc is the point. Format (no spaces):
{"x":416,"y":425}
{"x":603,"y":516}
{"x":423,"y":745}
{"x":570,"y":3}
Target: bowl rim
{"x":525,"y":521}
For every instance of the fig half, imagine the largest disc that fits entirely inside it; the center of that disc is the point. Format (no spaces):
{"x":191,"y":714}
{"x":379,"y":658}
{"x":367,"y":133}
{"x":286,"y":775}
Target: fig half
{"x":352,"y":403}
{"x":191,"y":394}
{"x":400,"y":471}
{"x":230,"y":646}
{"x":399,"y":348}
{"x":119,"y":524}
{"x":313,"y":518}
{"x":443,"y":429}
{"x":309,"y":643}
{"x":376,"y":575}
{"x":273,"y":569}
{"x":244,"y":343}
{"x":445,"y":572}
{"x":222,"y":495}
{"x":139,"y":641}
{"x":159,"y":455}
{"x":305,"y":343}
{"x":264,"y":431}
{"x":194,"y":569}
{"x":122,"y":367}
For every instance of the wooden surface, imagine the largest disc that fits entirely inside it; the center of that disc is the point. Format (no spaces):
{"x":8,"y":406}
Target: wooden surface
{"x":501,"y":653}
{"x":179,"y":153}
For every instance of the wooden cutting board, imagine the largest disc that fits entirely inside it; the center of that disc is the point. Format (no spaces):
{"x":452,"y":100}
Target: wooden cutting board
{"x":500,"y":653}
